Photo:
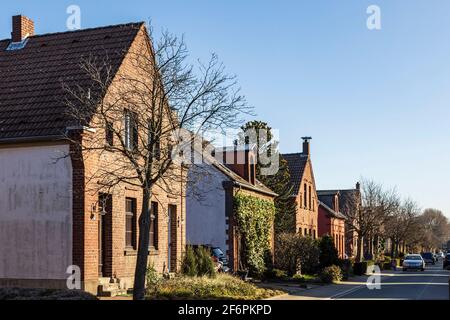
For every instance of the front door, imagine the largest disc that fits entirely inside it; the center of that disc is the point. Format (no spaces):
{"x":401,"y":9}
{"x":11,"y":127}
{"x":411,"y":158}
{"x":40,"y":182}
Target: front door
{"x":172,"y":236}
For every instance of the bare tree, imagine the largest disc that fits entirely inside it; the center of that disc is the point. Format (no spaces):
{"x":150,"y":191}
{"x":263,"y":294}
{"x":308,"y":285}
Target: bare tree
{"x":401,"y":225}
{"x":368,"y":217}
{"x":136,"y":114}
{"x":435,"y":229}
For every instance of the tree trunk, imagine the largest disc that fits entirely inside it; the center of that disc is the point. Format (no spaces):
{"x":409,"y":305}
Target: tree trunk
{"x":360,"y":249}
{"x":393,"y":247}
{"x":144,"y":242}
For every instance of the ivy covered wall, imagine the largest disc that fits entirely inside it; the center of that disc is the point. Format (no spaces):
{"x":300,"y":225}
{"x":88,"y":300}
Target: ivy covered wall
{"x":254,"y":221}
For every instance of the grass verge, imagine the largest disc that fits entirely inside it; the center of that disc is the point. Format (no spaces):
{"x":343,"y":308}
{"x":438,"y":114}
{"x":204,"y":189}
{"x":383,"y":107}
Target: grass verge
{"x":223,"y":287}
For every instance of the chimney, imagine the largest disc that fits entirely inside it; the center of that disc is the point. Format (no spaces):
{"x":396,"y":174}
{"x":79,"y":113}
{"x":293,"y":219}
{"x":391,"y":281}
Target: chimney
{"x":22,"y":28}
{"x":306,"y":146}
{"x":241,"y":160}
{"x":358,"y":186}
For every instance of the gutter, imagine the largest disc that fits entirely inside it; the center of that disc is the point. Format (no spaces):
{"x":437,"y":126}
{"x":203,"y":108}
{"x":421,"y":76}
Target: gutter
{"x":52,"y":138}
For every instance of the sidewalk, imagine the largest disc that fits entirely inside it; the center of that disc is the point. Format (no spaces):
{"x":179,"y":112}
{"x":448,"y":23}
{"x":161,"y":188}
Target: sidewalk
{"x":318,"y":291}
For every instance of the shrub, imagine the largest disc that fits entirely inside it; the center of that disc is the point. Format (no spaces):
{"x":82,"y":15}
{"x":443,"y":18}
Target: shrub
{"x":331,"y":274}
{"x":347,"y":269}
{"x":294,"y":253}
{"x":280,"y":274}
{"x":205,"y":264}
{"x":153,"y":280}
{"x":328,"y":254}
{"x":43,"y":294}
{"x":189,"y":263}
{"x":286,"y":253}
{"x":360,"y":268}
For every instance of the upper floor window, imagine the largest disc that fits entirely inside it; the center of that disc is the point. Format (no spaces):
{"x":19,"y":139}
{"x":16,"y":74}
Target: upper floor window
{"x":305,"y":199}
{"x":310,"y":198}
{"x":131,"y":130}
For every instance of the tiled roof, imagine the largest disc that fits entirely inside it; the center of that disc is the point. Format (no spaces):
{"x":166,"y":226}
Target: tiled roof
{"x":296,"y":164}
{"x":258,"y":186}
{"x":327,"y":197}
{"x":31,"y":94}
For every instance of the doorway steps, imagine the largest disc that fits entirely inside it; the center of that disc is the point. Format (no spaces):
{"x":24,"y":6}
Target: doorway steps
{"x":110,"y":287}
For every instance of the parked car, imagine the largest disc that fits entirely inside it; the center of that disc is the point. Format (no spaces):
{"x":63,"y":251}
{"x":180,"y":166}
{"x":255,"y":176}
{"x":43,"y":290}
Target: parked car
{"x":428,"y":257}
{"x":218,"y":257}
{"x":447,"y":261}
{"x":414,"y":262}
{"x":217,"y":253}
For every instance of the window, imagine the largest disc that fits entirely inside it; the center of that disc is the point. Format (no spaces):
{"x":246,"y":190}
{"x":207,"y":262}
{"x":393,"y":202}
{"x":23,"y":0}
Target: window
{"x":306,"y":196}
{"x":109,"y":134}
{"x":130,"y":223}
{"x":154,"y":226}
{"x":314,"y":234}
{"x":306,"y":232}
{"x":310,"y":198}
{"x":131,"y":131}
{"x":252,"y":174}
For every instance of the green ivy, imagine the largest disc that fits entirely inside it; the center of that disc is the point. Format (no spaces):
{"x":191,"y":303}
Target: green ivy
{"x":254,"y":219}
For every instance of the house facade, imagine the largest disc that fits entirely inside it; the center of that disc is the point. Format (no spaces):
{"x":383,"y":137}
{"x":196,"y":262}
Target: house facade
{"x":331,"y":221}
{"x":304,"y":190}
{"x":210,"y":212}
{"x":51,"y":219}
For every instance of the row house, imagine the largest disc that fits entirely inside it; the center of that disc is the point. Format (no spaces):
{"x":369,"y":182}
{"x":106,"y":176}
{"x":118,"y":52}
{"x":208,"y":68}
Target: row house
{"x":322,"y":212}
{"x":49,"y":218}
{"x":331,"y":221}
{"x":304,"y":190}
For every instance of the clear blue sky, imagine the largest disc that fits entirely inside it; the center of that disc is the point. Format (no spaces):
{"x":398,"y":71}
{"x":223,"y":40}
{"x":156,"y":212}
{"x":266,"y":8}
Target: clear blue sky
{"x":377,"y":103}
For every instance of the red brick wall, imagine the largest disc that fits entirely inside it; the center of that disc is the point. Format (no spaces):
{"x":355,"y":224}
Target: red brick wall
{"x":333,"y":227}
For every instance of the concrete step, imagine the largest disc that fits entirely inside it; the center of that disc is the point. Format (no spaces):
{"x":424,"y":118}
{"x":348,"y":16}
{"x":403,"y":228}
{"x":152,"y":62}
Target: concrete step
{"x":110,"y":290}
{"x":110,"y":287}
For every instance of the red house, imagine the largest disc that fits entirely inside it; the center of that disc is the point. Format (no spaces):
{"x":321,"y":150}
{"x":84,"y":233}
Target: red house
{"x":330,"y":220}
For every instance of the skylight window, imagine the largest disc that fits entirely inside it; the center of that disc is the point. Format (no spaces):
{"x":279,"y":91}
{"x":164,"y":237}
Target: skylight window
{"x":13,"y":46}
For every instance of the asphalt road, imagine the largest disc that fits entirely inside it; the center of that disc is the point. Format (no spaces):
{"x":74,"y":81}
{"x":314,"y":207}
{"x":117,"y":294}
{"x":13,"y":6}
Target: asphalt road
{"x":433,"y":284}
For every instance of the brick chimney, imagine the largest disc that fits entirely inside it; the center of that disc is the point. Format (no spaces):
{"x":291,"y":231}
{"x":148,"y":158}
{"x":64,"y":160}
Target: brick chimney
{"x":22,"y":28}
{"x":306,"y":146}
{"x":241,"y":160}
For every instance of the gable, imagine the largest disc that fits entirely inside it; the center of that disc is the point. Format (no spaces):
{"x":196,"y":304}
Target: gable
{"x":31,"y":92}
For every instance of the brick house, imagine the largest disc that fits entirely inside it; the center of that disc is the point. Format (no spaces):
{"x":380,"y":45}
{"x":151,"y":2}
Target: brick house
{"x":48,"y":218}
{"x":331,"y":221}
{"x":304,"y":190}
{"x":210,"y":220}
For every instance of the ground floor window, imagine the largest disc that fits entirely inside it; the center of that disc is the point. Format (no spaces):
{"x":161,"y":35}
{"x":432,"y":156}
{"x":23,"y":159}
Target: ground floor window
{"x":154,"y":226}
{"x":130,"y":223}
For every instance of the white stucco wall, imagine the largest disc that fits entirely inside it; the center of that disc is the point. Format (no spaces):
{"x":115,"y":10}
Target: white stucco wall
{"x":35,"y":213}
{"x":206,"y":218}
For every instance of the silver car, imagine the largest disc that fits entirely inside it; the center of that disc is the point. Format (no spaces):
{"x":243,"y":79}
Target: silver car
{"x":413,"y":262}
